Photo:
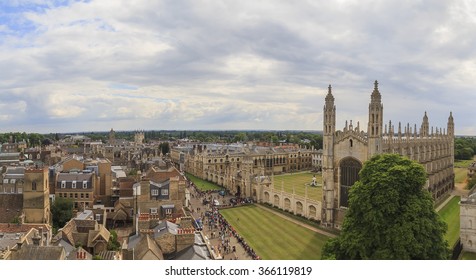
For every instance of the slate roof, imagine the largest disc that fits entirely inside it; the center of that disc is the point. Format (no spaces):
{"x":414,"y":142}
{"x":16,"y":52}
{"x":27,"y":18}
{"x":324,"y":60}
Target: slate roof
{"x":11,"y":206}
{"x":34,"y":252}
{"x":145,"y":245}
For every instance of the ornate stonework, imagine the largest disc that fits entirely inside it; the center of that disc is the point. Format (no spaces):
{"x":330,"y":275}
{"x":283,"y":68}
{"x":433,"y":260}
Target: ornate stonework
{"x":346,"y":150}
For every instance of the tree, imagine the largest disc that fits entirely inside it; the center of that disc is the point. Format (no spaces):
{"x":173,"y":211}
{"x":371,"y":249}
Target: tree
{"x":390,"y":215}
{"x":113,"y":244}
{"x":164,"y":148}
{"x":62,"y":212}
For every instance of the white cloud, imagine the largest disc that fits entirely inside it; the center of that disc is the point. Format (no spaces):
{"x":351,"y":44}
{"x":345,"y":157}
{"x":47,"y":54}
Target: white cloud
{"x":237,"y":65}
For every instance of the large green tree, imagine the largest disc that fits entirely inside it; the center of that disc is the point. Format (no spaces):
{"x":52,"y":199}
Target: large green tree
{"x":62,"y":212}
{"x":390,"y":215}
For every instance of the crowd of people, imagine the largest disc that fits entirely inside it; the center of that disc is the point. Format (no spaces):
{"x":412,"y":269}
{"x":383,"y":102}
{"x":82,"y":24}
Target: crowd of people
{"x":217,"y":225}
{"x":216,"y":222}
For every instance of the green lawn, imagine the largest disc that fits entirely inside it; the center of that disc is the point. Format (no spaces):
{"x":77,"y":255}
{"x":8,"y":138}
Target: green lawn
{"x":463,"y":163}
{"x":272,"y":237}
{"x":468,"y":256}
{"x":450,"y":214}
{"x":202,"y":184}
{"x":460,"y":175}
{"x":299,"y":181}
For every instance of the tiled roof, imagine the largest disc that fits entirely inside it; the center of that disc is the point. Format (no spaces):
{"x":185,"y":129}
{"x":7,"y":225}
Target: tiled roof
{"x":11,"y":206}
{"x":79,"y":177}
{"x":33,"y":252}
{"x":108,"y":255}
{"x":14,"y":228}
{"x":145,"y":245}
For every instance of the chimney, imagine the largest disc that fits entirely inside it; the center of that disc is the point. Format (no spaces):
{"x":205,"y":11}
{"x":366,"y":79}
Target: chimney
{"x":36,"y":239}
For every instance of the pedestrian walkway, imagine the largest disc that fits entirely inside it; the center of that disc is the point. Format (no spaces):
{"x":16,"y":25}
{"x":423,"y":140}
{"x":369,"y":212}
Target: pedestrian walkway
{"x":211,"y":232}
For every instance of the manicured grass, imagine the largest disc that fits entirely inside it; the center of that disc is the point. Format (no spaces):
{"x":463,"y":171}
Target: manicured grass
{"x":272,"y":237}
{"x":468,"y":256}
{"x":461,"y":174}
{"x":463,"y":163}
{"x":450,"y":214}
{"x":299,"y":181}
{"x":202,"y":184}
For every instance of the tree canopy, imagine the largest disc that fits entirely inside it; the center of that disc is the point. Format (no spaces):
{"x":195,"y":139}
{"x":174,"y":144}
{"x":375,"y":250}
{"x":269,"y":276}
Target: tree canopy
{"x":62,"y":212}
{"x":390,"y":215}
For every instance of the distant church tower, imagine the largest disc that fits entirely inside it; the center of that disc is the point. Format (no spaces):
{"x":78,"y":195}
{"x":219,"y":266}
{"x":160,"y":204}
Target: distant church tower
{"x":36,"y":203}
{"x":112,"y":137}
{"x":139,"y":137}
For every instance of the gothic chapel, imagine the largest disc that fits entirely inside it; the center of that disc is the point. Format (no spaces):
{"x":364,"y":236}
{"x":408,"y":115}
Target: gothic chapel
{"x":345,"y":152}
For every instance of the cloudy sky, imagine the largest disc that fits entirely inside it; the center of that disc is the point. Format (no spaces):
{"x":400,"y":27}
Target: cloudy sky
{"x":95,"y":65}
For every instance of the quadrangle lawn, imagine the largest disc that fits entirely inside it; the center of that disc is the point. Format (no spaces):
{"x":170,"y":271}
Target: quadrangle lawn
{"x":202,"y":184}
{"x":450,"y":214}
{"x":272,"y":237}
{"x":299,"y":182}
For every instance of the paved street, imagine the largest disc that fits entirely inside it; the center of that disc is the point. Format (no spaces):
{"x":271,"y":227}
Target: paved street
{"x":212,"y":234}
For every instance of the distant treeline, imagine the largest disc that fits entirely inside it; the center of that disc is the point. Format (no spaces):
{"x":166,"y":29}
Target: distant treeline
{"x":465,"y":147}
{"x":305,"y":138}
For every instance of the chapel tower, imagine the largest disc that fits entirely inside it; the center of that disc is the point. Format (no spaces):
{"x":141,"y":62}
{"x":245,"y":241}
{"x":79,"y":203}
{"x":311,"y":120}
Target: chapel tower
{"x":374,"y":130}
{"x":328,"y":159}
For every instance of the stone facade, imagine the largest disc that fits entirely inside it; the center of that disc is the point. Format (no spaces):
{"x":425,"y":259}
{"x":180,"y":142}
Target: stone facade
{"x":345,"y":151}
{"x":236,"y":166}
{"x":36,"y":203}
{"x":468,"y":223}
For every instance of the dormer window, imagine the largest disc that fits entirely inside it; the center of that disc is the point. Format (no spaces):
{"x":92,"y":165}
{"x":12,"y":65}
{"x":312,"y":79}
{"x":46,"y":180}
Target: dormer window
{"x":85,"y":184}
{"x":155,"y":192}
{"x":63,"y":184}
{"x":73,"y":185}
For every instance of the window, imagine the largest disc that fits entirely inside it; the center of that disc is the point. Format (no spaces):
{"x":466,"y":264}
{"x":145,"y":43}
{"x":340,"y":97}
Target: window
{"x":85,"y":184}
{"x":5,"y":181}
{"x":165,"y":192}
{"x":33,"y":186}
{"x":82,"y":195}
{"x":98,"y":217}
{"x":12,"y":190}
{"x":73,"y":185}
{"x":20,"y":190}
{"x":71,"y":196}
{"x":168,"y":211}
{"x":153,"y":210}
{"x":155,"y":192}
{"x":87,"y":195}
{"x":12,"y":181}
{"x":63,"y":184}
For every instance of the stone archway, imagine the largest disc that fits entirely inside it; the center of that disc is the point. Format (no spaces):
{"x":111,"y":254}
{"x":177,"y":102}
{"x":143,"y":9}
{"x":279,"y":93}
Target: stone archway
{"x":299,"y":208}
{"x":287,"y":204}
{"x":312,"y":211}
{"x":349,"y":174}
{"x":266,"y":197}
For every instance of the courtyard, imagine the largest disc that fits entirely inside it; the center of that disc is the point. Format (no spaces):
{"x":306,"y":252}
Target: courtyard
{"x":299,"y":181}
{"x":273,"y":237}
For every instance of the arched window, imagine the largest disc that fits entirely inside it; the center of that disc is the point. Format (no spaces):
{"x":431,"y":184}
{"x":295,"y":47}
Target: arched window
{"x":349,"y":174}
{"x":351,"y":143}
